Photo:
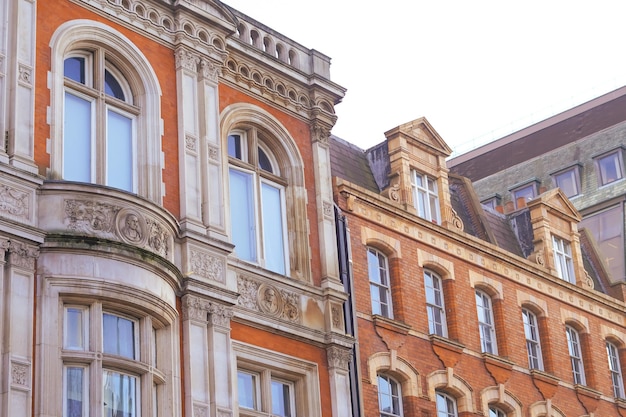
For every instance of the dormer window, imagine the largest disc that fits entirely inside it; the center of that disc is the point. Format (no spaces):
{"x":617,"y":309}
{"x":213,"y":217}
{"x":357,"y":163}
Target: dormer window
{"x":527,"y":192}
{"x":610,"y":167}
{"x":425,"y":196}
{"x":563,"y":259}
{"x":568,"y":181}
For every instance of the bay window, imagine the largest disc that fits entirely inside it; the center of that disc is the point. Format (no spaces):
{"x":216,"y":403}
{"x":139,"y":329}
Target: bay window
{"x":258,"y":207}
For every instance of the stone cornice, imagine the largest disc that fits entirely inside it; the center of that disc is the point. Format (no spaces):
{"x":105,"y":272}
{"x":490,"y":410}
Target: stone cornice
{"x":480,"y":254}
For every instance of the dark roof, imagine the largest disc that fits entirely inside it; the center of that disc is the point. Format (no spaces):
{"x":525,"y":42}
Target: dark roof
{"x":350,"y":162}
{"x":564,"y":128}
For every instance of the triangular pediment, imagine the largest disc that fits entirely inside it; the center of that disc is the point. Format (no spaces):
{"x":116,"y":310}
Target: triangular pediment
{"x":559,"y":202}
{"x":421,"y":132}
{"x":214,"y":10}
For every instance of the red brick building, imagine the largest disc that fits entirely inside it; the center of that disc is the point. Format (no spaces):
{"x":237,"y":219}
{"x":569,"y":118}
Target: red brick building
{"x":462,"y":310}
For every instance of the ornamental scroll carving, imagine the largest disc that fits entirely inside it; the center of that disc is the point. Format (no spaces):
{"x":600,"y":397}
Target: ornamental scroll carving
{"x":91,"y":217}
{"x":209,"y":70}
{"x":456,"y":221}
{"x":339,"y":357}
{"x":22,"y":255}
{"x":14,"y":202}
{"x":207,"y":266}
{"x":195,"y":308}
{"x":20,"y":374}
{"x":157,"y":237}
{"x":320,"y":134}
{"x":186,"y":60}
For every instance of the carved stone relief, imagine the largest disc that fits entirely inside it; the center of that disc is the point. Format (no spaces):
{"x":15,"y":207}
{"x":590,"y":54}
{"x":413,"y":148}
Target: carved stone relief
{"x":337,"y":316}
{"x":328,"y":209}
{"x":281,"y":304}
{"x":204,"y":310}
{"x":213,"y":153}
{"x":200,"y":410}
{"x":131,"y":226}
{"x":339,"y":357}
{"x":320,"y":134}
{"x":22,"y":255}
{"x":186,"y":60}
{"x":20,"y":374}
{"x":91,"y":217}
{"x":191,"y":143}
{"x":25,"y":74}
{"x":209,"y":70}
{"x":207,"y":266}
{"x":14,"y":202}
{"x":157,"y":237}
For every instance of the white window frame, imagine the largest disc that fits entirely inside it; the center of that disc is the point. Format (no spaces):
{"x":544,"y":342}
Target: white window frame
{"x":423,"y":193}
{"x":616,"y":161}
{"x":136,"y":395}
{"x":393,"y":398}
{"x":533,"y":339}
{"x":615,"y":368}
{"x":441,"y":398}
{"x":248,"y":165}
{"x":572,"y":174}
{"x":271,"y":365}
{"x":576,"y":355}
{"x":135,"y":340}
{"x":84,"y":389}
{"x":563,"y":261}
{"x":83,"y":327}
{"x":496,"y":412}
{"x":486,"y":323}
{"x":435,"y":304}
{"x":379,"y":283}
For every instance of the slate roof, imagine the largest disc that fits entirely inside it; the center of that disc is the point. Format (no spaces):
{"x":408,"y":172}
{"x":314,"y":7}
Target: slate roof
{"x":349,"y":162}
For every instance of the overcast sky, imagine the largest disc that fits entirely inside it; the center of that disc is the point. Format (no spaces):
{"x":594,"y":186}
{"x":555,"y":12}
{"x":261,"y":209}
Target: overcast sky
{"x":476,"y":70}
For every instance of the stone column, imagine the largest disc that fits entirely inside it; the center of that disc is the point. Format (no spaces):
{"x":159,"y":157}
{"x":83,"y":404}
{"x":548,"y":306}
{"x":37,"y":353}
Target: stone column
{"x":18,"y":19}
{"x":339,"y":359}
{"x":17,"y":282}
{"x":207,"y":355}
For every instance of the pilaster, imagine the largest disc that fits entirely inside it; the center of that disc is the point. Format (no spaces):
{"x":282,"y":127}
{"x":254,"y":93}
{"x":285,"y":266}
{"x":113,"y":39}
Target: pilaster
{"x":339,"y":359}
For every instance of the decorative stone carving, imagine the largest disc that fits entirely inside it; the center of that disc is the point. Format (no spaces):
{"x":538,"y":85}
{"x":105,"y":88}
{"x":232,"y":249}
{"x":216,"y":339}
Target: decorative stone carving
{"x":14,"y":202}
{"x":587,"y":281}
{"x":248,"y":290}
{"x":213,"y":153}
{"x":220,"y":315}
{"x":538,"y":257}
{"x":22,"y":255}
{"x":328,"y":209}
{"x":191,"y":143}
{"x":186,"y":60}
{"x":339,"y":357}
{"x":200,"y":410}
{"x":20,"y":374}
{"x":394,"y":192}
{"x":207,"y":266}
{"x":90,"y":217}
{"x":204,"y":310}
{"x":224,"y":413}
{"x":131,"y":226}
{"x":456,"y":221}
{"x":268,"y":299}
{"x":320,"y":133}
{"x":337,"y":316}
{"x":25,"y":74}
{"x":209,"y":70}
{"x":157,"y":237}
{"x":291,"y":302}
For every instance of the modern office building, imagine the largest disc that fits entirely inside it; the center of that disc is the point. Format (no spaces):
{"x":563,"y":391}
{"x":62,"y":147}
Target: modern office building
{"x":166,"y":215}
{"x":465,"y":311}
{"x":581,"y":151}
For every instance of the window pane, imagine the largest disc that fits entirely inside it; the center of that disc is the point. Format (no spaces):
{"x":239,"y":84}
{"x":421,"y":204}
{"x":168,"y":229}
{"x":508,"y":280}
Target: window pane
{"x":112,"y":87}
{"x":610,"y":169}
{"x":74,"y":69}
{"x":566,"y":181}
{"x":74,"y":329}
{"x":77,"y":132}
{"x":264,"y":162}
{"x":234,"y":146}
{"x":242,"y":214}
{"x":528,"y":193}
{"x":273,"y":241}
{"x":609,"y":238}
{"x":246,"y":384}
{"x":119,"y":151}
{"x":118,"y":336}
{"x":281,"y":399}
{"x":119,"y":395}
{"x":74,"y":394}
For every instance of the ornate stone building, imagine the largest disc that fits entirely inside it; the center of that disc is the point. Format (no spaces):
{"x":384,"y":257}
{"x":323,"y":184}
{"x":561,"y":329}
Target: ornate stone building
{"x":465,"y":311}
{"x":166,"y":215}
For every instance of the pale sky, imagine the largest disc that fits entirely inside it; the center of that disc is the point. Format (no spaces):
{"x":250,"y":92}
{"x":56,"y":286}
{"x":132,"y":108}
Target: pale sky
{"x":477,"y":70}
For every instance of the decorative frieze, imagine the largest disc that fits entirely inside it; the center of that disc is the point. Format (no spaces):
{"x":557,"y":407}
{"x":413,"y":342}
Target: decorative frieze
{"x":131,"y":226}
{"x":195,"y":308}
{"x":22,"y":255}
{"x":91,"y":217}
{"x":157,"y":237}
{"x":14,"y":202}
{"x":207,"y":266}
{"x":339,"y":357}
{"x":281,"y":304}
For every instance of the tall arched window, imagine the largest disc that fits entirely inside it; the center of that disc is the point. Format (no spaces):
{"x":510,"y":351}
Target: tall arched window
{"x":486,"y":325}
{"x":378,"y":270}
{"x":435,"y":304}
{"x":533,"y":343}
{"x":257,"y":195}
{"x":389,"y":397}
{"x":616,"y":370}
{"x":576,"y":355}
{"x":99,"y":122}
{"x":105,"y":105}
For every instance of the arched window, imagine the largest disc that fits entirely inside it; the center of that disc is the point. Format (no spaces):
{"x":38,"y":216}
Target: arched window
{"x":575,"y":354}
{"x":496,"y":412}
{"x":616,"y":370}
{"x":435,"y":304}
{"x":533,"y":343}
{"x":389,"y":397}
{"x":378,"y":270}
{"x":446,"y":405}
{"x":257,"y":195}
{"x":486,"y":326}
{"x":106,"y":99}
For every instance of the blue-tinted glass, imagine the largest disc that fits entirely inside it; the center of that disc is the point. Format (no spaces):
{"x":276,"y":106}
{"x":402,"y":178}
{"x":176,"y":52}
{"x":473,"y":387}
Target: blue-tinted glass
{"x":77,"y":139}
{"x":264,"y":162}
{"x":119,"y":151}
{"x":242,"y":215}
{"x":112,"y":87}
{"x":74,"y":69}
{"x":234,"y":146}
{"x":273,"y":241}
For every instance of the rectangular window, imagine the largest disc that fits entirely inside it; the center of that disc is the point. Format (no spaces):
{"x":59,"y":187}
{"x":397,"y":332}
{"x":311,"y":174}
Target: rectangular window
{"x":243,"y":214}
{"x":616,"y":370}
{"x":77,"y":138}
{"x":75,"y":403}
{"x":434,"y":305}
{"x":119,"y":336}
{"x":120,"y":394}
{"x":120,"y":151}
{"x":425,"y":196}
{"x":533,"y":345}
{"x":379,"y":283}
{"x":575,"y":354}
{"x":248,"y":389}
{"x":75,"y":329}
{"x":282,"y":398}
{"x":527,"y":193}
{"x":563,"y":259}
{"x":568,"y":181}
{"x":610,"y":167}
{"x":485,"y":323}
{"x":272,"y":214}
